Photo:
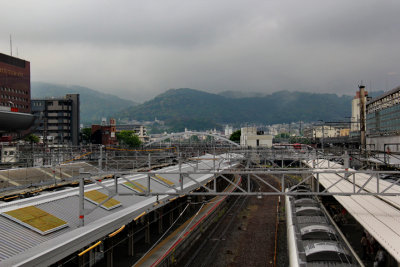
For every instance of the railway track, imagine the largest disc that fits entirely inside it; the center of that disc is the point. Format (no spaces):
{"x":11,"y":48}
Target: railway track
{"x":205,"y":250}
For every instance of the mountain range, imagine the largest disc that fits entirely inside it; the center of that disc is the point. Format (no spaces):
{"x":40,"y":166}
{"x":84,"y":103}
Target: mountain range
{"x":94,"y":104}
{"x":198,"y":110}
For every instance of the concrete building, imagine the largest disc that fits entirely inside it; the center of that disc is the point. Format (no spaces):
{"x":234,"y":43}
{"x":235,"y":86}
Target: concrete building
{"x":9,"y":154}
{"x":326,"y":131}
{"x":253,"y":138}
{"x":344,"y":132}
{"x":60,"y":119}
{"x":138,"y":129}
{"x":383,"y":122}
{"x":228,"y":130}
{"x":105,"y":134}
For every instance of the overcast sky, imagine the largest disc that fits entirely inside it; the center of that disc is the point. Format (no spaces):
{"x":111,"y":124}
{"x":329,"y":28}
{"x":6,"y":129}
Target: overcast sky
{"x":138,"y":49}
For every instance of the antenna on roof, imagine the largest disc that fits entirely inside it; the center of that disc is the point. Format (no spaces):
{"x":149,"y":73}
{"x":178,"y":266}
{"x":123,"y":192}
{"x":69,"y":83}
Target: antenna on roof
{"x":10,"y":45}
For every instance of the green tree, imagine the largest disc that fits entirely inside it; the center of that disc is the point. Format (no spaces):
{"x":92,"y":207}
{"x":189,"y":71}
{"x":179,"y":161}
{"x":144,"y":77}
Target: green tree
{"x":283,"y":135}
{"x":194,"y":138}
{"x":128,"y":138}
{"x":235,"y":136}
{"x":209,"y":139}
{"x":87,"y":134}
{"x":31,"y":138}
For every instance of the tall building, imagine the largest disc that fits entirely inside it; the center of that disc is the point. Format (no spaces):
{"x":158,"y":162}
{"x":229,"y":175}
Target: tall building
{"x":60,"y":119}
{"x":355,"y":112}
{"x":15,"y":84}
{"x":383,"y":122}
{"x":15,"y":96}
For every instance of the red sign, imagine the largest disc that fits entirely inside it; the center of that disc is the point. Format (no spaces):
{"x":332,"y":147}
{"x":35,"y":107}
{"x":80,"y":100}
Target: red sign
{"x":13,"y":109}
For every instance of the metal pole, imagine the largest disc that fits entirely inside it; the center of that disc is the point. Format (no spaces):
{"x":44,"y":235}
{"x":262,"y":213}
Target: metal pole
{"x":106,"y":160}
{"x":148,"y":184}
{"x":101,"y":157}
{"x":81,"y":202}
{"x":54,"y":174}
{"x":323,"y":136}
{"x":215,"y":177}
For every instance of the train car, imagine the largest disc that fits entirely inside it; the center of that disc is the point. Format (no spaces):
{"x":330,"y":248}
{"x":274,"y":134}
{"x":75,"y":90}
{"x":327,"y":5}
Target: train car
{"x":313,"y":238}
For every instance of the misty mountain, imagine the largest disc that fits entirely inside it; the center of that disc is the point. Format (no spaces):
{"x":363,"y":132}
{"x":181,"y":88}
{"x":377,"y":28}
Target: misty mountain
{"x":202,"y":110}
{"x":237,"y":94}
{"x":94,"y":104}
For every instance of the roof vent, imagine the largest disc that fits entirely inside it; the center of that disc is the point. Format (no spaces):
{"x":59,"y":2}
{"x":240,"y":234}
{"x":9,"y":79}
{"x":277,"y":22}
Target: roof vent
{"x":308,"y":211}
{"x":305,"y":202}
{"x":326,"y":251}
{"x":318,"y":231}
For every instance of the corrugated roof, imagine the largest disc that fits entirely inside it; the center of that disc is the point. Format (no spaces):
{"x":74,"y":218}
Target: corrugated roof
{"x":19,"y":243}
{"x":379,"y":215}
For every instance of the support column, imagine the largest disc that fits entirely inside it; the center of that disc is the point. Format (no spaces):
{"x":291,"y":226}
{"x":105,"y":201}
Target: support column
{"x":160,"y":220}
{"x":171,"y":217}
{"x":81,"y":261}
{"x":131,"y":242}
{"x":108,"y":248}
{"x":147,"y":231}
{"x":91,"y":258}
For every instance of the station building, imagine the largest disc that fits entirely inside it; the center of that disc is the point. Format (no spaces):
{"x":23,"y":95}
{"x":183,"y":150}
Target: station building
{"x":383,"y":122}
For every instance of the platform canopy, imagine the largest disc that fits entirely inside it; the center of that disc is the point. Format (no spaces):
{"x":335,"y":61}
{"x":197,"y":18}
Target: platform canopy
{"x":15,"y":121}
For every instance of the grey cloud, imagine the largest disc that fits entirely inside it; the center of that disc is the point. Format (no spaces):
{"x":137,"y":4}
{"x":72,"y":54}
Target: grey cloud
{"x":351,"y":22}
{"x":140,"y":48}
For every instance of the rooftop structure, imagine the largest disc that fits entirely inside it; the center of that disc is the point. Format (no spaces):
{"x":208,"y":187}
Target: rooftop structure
{"x":31,"y":243}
